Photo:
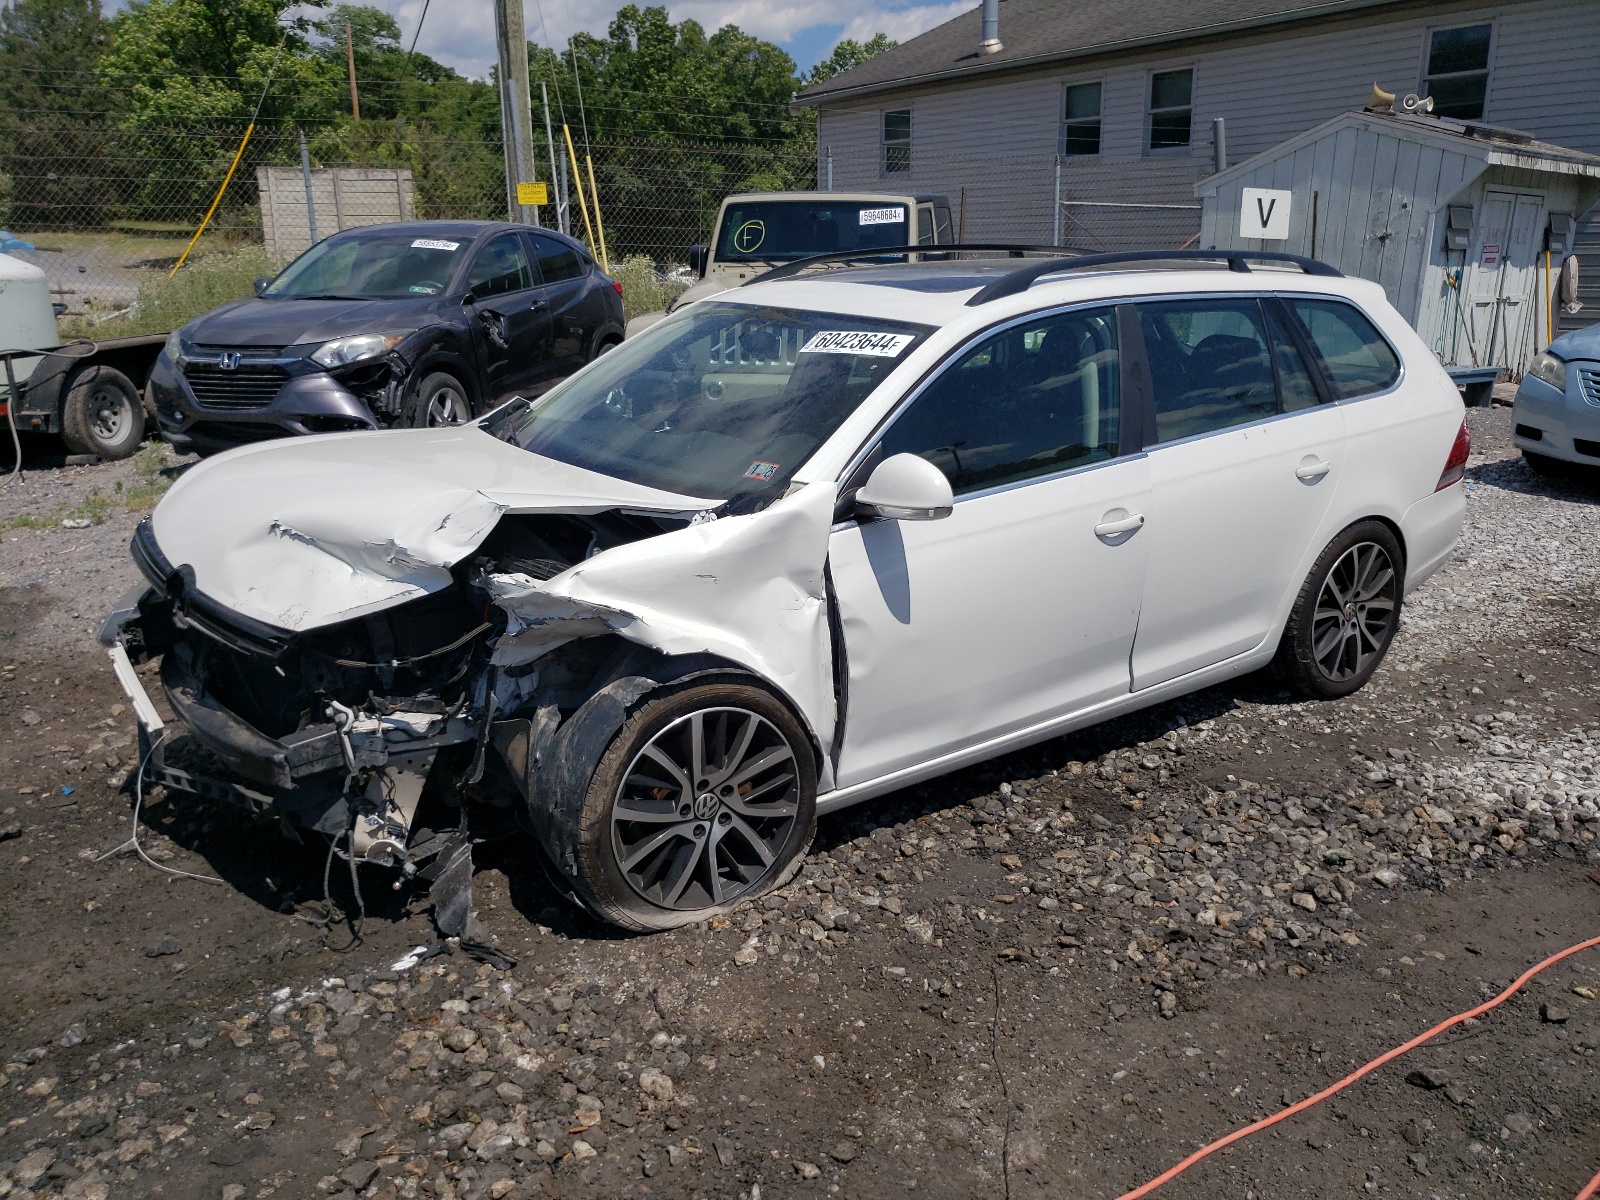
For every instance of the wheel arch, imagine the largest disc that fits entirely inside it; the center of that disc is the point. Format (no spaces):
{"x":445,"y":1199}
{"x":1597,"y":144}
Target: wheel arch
{"x":552,"y":757}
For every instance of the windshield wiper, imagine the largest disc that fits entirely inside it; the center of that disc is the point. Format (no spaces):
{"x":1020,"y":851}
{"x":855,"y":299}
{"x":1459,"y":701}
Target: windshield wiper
{"x":327,"y":297}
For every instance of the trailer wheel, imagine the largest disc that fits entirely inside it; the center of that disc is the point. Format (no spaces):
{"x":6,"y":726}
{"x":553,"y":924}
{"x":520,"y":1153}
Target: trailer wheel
{"x":102,"y":414}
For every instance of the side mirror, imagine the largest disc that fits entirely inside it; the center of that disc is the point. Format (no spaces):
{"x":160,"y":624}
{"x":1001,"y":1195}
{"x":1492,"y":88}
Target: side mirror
{"x":699,"y":256}
{"x":260,"y":284}
{"x":468,"y":300}
{"x":905,"y":487}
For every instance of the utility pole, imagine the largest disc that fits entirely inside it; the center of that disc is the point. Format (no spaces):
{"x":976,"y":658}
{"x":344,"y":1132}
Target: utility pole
{"x":516,"y":107}
{"x":350,"y":57}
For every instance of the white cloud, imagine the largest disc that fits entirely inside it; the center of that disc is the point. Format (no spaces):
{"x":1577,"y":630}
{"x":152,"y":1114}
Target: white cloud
{"x":905,"y":23}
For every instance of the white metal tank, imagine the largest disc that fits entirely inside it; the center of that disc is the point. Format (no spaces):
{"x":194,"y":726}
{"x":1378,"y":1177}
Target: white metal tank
{"x":27,"y":322}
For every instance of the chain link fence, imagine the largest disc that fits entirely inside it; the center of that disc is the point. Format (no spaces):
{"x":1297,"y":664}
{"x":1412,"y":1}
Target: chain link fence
{"x":107,"y":211}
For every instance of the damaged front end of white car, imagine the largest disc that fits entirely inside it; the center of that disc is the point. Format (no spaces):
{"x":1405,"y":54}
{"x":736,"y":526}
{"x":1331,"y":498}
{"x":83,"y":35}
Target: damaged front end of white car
{"x":601,"y":617}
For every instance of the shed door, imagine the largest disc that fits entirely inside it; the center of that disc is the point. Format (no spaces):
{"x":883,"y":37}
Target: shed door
{"x":1500,"y":288}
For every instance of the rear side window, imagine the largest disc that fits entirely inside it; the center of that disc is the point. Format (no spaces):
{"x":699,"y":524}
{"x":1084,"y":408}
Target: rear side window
{"x":1040,"y":397}
{"x":1211,"y":365}
{"x":1354,"y":356}
{"x":557,"y":260}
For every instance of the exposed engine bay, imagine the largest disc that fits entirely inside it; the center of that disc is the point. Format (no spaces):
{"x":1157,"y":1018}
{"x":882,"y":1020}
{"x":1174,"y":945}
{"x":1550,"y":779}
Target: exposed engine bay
{"x":346,"y":728}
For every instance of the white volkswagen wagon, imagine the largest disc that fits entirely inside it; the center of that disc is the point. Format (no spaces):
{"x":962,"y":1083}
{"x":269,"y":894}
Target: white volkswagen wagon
{"x":796,"y":547}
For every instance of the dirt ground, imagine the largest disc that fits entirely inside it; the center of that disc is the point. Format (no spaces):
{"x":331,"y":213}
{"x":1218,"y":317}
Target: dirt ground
{"x":1051,"y":975}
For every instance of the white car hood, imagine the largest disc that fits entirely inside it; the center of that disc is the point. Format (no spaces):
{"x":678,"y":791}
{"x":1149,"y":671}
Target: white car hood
{"x":308,"y":532}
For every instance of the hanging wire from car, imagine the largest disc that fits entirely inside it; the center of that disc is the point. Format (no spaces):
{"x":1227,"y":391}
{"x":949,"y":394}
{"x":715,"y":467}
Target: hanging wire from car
{"x":133,"y":839}
{"x":394,"y":664}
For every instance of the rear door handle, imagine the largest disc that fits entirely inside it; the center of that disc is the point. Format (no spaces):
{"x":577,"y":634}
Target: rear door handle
{"x":1119,"y":525}
{"x":1312,"y":469}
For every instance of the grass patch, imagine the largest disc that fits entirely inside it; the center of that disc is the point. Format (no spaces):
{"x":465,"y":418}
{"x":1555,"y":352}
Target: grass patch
{"x":151,"y":478}
{"x":200,"y":286}
{"x":644,"y":289}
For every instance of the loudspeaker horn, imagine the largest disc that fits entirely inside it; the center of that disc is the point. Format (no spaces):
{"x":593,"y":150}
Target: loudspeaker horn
{"x":1380,"y":100}
{"x":1413,"y":103}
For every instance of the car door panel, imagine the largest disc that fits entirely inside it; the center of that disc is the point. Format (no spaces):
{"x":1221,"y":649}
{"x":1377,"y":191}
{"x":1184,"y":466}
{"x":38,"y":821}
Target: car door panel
{"x":509,"y":316}
{"x":1236,"y":510}
{"x":1021,"y":605}
{"x":574,"y":315}
{"x":1006,"y":613}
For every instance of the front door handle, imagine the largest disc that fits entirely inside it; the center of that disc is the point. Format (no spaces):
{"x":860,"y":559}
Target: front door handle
{"x":1312,"y":469}
{"x":1115,"y":526}
{"x":539,"y":306}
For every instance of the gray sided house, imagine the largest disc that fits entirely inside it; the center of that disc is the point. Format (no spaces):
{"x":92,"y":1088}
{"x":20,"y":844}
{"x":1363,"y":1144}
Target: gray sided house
{"x":1117,"y":100}
{"x":1453,"y":218}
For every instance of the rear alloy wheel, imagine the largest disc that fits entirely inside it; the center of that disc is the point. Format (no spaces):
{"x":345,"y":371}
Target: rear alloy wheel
{"x":102,"y":414}
{"x":440,"y":400}
{"x":706,"y":797}
{"x":1346,"y":614}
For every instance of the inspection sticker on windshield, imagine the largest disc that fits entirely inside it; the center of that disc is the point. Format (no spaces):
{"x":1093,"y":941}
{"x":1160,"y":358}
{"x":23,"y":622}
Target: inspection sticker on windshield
{"x":882,"y":216}
{"x":761,"y":470}
{"x":434,"y":244}
{"x":856,"y":341}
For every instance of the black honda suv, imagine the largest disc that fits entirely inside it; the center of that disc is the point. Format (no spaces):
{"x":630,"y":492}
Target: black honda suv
{"x":419,"y":323}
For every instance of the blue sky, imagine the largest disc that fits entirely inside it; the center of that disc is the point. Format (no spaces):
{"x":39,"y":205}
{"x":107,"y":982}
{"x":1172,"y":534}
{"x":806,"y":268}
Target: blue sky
{"x":460,"y":33}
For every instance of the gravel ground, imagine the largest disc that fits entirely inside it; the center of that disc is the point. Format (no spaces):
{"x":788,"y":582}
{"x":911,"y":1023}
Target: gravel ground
{"x":1051,"y":974}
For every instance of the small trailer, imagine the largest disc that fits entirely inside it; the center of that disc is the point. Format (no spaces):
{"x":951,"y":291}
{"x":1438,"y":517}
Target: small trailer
{"x":1465,"y":224}
{"x":90,"y":393}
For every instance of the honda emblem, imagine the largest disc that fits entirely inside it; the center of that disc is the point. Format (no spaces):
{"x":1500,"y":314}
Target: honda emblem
{"x":229,"y":361}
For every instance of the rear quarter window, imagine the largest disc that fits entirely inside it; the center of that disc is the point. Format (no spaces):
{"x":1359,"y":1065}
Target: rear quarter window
{"x":1355,"y":358}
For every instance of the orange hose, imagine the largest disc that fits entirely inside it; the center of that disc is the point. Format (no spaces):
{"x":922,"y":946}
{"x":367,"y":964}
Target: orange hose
{"x":1360,"y":1072}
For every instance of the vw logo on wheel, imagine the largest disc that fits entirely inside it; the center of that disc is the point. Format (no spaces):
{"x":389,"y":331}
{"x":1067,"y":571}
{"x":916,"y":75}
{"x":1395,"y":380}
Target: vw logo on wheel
{"x":706,"y":805}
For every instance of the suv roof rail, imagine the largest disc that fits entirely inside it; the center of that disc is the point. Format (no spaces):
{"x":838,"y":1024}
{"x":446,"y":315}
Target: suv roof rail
{"x":1023,"y":278}
{"x":790,"y":269}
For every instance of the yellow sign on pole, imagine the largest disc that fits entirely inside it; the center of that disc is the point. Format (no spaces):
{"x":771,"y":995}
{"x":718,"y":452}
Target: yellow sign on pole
{"x":529,"y":194}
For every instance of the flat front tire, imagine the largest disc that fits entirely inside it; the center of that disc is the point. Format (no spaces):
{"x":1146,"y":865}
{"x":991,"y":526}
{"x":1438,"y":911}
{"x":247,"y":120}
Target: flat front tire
{"x":705,"y":798}
{"x":1346,"y":614}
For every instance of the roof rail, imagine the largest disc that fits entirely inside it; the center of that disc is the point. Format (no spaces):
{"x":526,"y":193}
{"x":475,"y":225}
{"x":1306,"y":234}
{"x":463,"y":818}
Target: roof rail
{"x":1023,"y":278}
{"x":790,"y":269}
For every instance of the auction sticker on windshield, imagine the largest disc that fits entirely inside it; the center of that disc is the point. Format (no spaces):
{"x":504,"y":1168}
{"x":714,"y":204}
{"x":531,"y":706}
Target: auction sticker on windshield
{"x":857,"y":341}
{"x":761,"y":470}
{"x":882,"y":216}
{"x":434,"y":244}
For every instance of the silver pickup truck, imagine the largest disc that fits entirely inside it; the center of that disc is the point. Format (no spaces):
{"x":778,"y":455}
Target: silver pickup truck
{"x":757,"y":231}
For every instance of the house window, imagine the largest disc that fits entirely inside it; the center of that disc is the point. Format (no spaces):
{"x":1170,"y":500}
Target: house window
{"x":1171,"y":111}
{"x":897,"y":141}
{"x":1080,"y":119}
{"x":1458,"y":71}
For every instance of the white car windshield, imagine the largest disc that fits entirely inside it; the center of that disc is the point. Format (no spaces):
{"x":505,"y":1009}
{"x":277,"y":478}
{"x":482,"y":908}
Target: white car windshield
{"x":722,"y":400}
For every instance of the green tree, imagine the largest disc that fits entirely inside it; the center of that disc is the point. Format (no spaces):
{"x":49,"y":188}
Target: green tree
{"x":52,"y":111}
{"x":847,"y":54}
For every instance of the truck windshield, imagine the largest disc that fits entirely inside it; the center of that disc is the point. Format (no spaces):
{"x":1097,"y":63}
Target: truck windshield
{"x":370,"y":266}
{"x":720,"y":401}
{"x":784,"y":230}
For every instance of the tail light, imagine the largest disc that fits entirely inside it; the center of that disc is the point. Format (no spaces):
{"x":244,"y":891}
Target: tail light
{"x":617,"y":283}
{"x":1456,"y":465}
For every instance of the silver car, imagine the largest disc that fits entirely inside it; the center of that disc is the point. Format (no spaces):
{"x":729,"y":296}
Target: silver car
{"x":1557,"y":411}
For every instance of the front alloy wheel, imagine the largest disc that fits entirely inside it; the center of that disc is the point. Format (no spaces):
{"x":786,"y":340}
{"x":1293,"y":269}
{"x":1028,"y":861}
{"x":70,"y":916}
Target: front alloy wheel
{"x":1346,"y":614}
{"x":706,"y":797}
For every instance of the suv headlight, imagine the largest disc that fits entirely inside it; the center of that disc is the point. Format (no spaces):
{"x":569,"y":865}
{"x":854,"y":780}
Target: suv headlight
{"x":341,"y":352}
{"x":174,"y":349}
{"x":1547,"y":368}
